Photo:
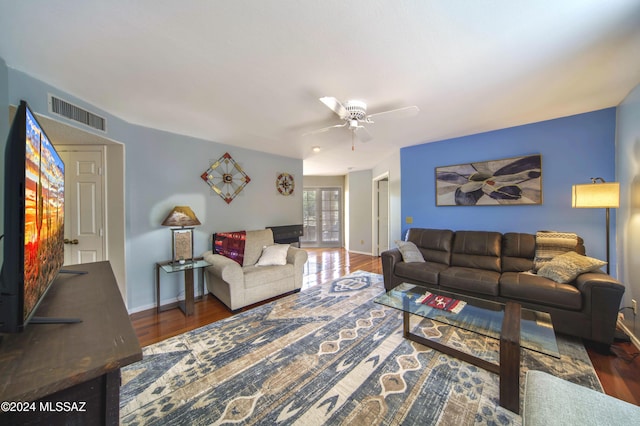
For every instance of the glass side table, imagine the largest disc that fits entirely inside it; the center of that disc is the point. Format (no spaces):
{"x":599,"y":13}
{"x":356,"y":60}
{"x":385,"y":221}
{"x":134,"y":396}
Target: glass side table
{"x":169,"y":267}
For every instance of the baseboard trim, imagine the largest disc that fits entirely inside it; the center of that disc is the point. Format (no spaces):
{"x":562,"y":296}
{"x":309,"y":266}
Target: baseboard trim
{"x":164,"y":302}
{"x":360,"y":252}
{"x":634,"y":339}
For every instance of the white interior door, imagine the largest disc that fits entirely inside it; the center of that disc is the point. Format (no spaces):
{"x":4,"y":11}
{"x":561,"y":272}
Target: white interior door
{"x":84,"y":204}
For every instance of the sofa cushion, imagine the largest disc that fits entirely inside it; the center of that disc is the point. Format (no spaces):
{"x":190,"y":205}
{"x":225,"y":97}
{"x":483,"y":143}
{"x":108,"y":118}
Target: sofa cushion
{"x":257,"y":276}
{"x":566,"y":267}
{"x":477,"y":250}
{"x":410,"y":252}
{"x":471,"y":279}
{"x":518,"y":251}
{"x":256,"y":240}
{"x":434,"y":244}
{"x":533,"y":288}
{"x":423,"y":272}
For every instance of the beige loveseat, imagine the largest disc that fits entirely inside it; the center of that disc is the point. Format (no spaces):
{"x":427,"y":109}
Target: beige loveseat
{"x":238,"y":286}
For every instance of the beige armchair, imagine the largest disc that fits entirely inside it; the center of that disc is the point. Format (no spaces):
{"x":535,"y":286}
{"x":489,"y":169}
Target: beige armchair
{"x":238,"y":286}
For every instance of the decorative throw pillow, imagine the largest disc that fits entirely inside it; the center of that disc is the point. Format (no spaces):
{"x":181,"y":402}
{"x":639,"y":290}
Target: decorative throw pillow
{"x":566,"y":267}
{"x":410,"y":252}
{"x":273,"y":255}
{"x":550,"y":244}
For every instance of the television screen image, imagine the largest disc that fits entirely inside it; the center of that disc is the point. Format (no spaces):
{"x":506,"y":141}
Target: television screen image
{"x":43,"y":214}
{"x":33,"y":221}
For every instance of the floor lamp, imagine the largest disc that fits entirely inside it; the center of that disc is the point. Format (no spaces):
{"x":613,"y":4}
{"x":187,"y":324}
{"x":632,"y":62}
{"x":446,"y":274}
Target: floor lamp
{"x":597,"y":195}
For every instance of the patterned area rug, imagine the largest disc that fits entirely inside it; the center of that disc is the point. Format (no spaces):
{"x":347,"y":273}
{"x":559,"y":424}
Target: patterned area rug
{"x":327,"y":355}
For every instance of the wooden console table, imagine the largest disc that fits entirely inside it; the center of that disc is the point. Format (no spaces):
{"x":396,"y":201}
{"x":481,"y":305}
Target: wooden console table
{"x":70,"y":373}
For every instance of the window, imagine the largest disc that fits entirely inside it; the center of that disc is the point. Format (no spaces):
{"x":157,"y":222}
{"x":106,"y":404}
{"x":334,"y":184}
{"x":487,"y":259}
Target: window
{"x":322,"y":217}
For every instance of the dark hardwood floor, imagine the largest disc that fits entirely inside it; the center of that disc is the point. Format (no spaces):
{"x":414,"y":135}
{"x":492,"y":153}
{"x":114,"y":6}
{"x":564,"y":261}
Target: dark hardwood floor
{"x":618,"y":371}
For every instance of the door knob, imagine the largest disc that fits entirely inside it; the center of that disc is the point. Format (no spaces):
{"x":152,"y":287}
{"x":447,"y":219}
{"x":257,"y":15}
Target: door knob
{"x":68,"y":241}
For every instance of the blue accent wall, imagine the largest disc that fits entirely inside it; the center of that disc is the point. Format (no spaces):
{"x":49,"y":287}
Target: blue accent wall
{"x":573,"y":149}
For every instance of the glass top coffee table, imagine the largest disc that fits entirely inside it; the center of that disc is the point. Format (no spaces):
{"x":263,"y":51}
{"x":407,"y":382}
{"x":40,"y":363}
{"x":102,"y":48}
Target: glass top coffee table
{"x":513,"y":325}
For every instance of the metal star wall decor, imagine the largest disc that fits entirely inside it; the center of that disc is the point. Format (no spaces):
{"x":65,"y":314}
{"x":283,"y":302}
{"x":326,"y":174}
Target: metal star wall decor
{"x":226,"y":178}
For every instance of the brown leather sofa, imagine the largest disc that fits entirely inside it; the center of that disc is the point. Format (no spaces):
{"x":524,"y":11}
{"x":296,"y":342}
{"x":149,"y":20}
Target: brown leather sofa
{"x":496,"y":266}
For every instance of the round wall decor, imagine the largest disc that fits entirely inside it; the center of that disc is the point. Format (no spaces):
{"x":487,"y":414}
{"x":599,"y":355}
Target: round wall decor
{"x":285,"y":183}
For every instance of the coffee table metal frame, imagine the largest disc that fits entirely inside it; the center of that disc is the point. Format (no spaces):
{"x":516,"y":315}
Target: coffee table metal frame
{"x":508,"y":368}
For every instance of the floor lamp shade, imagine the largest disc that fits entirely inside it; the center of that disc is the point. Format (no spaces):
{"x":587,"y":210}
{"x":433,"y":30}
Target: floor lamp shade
{"x":597,"y":195}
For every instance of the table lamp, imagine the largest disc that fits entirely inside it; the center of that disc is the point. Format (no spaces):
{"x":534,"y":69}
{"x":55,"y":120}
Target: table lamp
{"x":597,"y":194}
{"x":182,"y":238}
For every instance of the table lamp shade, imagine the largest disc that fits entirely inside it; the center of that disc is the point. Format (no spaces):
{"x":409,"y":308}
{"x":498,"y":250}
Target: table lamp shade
{"x":596,"y":195}
{"x":181,"y":216}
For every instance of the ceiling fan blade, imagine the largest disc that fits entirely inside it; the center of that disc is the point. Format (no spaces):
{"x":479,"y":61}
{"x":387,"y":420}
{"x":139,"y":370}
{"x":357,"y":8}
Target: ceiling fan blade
{"x":335,"y":105}
{"x":362,"y":134}
{"x":324,"y":129}
{"x":409,"y":111}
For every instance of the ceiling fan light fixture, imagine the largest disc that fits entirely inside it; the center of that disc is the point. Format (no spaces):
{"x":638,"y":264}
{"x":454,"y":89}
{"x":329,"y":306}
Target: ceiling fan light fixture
{"x":357,"y":109}
{"x":353,"y":114}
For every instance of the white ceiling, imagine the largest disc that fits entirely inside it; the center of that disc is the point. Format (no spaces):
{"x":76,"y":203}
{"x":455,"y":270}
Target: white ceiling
{"x":249,"y":72}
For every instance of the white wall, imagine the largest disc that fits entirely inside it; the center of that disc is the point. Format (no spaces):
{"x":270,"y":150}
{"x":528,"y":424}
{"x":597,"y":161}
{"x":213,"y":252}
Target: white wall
{"x":324,"y":182}
{"x":392,"y":166}
{"x":359,"y":212}
{"x":628,"y":215}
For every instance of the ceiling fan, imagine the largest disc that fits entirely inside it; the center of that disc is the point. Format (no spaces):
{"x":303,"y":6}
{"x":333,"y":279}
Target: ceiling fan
{"x":354,"y":114}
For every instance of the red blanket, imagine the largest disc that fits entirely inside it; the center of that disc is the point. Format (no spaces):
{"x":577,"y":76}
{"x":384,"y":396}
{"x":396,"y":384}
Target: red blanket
{"x":230,"y":244}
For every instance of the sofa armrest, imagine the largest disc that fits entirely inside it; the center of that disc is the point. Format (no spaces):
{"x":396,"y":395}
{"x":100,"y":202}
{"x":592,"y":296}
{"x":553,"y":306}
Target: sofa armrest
{"x":601,"y":295}
{"x":389,"y":260}
{"x":297,"y":257}
{"x":223,"y":268}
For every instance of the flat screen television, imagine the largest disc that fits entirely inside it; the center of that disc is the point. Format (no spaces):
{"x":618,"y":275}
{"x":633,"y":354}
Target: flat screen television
{"x":33,"y":220}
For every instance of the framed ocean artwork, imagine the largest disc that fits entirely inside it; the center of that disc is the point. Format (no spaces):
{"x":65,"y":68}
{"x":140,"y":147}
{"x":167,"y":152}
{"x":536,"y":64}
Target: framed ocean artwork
{"x":508,"y":181}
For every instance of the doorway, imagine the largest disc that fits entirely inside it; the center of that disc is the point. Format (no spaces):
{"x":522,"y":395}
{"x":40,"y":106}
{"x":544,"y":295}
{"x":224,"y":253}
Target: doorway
{"x":381,"y":207}
{"x":84,"y":203}
{"x":322,"y":217}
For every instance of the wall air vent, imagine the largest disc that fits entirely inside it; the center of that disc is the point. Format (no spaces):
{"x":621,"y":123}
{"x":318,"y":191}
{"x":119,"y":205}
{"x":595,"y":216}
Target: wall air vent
{"x":75,"y":113}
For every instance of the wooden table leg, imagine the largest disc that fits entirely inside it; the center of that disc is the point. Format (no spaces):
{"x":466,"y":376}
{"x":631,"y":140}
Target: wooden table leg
{"x":510,"y":358}
{"x":406,"y":324}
